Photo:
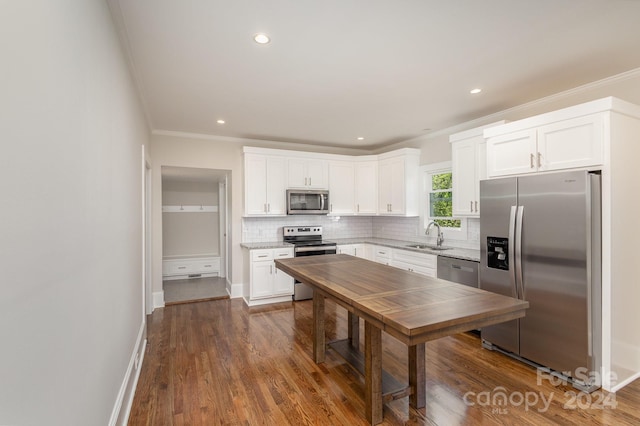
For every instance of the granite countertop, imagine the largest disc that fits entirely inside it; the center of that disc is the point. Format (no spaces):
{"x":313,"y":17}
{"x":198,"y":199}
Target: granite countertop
{"x":454,"y":252}
{"x":266,"y":245}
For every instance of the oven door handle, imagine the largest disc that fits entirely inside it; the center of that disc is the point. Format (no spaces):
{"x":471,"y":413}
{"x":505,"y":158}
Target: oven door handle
{"x":320,"y":248}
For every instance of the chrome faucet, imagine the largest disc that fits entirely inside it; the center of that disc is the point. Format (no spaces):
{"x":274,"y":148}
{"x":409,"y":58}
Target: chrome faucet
{"x":440,"y":237}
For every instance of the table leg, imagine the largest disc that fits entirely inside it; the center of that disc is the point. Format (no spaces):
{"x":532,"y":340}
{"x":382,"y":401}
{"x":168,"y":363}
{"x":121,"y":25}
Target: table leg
{"x":318,"y":328}
{"x":353,"y":326}
{"x":417,"y":376}
{"x":373,"y":373}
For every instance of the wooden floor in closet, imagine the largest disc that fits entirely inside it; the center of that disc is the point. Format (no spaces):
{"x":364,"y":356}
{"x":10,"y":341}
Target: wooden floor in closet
{"x":223,"y":363}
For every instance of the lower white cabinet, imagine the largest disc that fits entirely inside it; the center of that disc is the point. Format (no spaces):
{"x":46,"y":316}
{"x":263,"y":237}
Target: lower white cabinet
{"x":382,"y":255}
{"x":421,"y":263}
{"x":359,"y":250}
{"x":265,"y":280}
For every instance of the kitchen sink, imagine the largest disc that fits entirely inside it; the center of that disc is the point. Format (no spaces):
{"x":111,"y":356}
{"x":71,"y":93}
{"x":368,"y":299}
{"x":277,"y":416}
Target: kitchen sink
{"x":427,"y":246}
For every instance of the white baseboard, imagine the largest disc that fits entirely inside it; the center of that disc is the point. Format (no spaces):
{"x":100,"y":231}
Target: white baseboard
{"x":128,"y":387}
{"x":624,"y":383}
{"x":158,"y":299}
{"x":267,"y":300}
{"x":234,"y":290}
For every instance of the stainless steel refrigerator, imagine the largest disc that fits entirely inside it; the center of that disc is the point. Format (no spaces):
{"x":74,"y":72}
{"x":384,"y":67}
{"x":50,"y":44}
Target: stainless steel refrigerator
{"x":541,"y":242}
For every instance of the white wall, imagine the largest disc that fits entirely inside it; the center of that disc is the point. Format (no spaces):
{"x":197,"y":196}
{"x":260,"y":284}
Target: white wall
{"x":190,"y":233}
{"x":70,"y":245}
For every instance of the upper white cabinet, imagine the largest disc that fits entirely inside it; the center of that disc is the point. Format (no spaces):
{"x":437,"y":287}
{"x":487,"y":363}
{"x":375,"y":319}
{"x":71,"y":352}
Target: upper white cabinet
{"x":551,"y":141}
{"x":265,"y":185}
{"x":366,"y":187}
{"x":468,"y":167}
{"x":353,"y":187}
{"x":307,"y":173}
{"x":398,"y":182}
{"x":354,"y":182}
{"x":341,"y":188}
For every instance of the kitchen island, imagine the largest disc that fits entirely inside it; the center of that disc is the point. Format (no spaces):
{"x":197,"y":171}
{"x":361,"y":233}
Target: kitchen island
{"x":412,"y":308}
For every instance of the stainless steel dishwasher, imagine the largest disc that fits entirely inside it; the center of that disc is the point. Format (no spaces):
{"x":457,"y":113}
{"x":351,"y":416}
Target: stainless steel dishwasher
{"x":458,"y":270}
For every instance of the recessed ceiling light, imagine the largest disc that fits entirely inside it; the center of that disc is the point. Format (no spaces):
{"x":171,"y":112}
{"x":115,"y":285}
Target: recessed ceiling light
{"x":261,"y":38}
{"x":220,"y":121}
{"x":474,"y":91}
{"x":360,"y":138}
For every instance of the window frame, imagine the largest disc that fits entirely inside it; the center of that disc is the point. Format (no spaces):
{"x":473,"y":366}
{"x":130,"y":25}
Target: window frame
{"x":426,"y":173}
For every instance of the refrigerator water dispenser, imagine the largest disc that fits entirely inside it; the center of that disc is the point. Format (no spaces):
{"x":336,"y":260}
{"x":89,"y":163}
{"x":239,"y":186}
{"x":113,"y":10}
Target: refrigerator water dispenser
{"x":498,"y":253}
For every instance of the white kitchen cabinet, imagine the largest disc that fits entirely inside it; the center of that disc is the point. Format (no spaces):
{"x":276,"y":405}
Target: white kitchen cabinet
{"x":353,"y":187}
{"x":341,"y":188}
{"x":421,"y":263}
{"x":357,"y":250}
{"x":573,"y":143}
{"x":552,"y":144}
{"x":366,"y":187}
{"x":398,"y":183}
{"x":306,"y":173}
{"x":265,"y":280}
{"x":382,"y":255}
{"x":468,"y":168}
{"x":265,"y":185}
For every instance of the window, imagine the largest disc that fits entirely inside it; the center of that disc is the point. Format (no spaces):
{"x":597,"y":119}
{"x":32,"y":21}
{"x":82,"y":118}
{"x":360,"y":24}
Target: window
{"x":438,"y":201}
{"x":441,"y":200}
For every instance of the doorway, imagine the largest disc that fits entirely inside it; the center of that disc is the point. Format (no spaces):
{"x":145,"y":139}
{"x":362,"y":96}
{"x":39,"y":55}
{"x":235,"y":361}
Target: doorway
{"x":194,"y":241}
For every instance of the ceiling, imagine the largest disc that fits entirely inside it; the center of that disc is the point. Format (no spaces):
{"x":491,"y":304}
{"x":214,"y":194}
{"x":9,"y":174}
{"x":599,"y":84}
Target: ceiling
{"x":383,"y":70}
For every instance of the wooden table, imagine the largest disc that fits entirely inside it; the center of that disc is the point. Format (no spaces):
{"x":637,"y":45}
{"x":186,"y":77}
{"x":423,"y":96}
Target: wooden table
{"x":412,"y":308}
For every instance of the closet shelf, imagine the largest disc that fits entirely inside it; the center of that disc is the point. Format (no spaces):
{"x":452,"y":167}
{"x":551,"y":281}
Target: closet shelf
{"x":189,"y":209}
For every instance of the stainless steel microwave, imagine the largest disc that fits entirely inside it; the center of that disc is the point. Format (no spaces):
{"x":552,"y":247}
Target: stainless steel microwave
{"x":301,"y":201}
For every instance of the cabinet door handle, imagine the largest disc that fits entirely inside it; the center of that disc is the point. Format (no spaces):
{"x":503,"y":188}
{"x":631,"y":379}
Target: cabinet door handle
{"x":476,"y":207}
{"x":268,"y":207}
{"x":357,"y":208}
{"x":182,"y":267}
{"x":331,"y":207}
{"x":305,"y":182}
{"x":265,"y":207}
{"x":262,"y":255}
{"x":471,"y":206}
{"x":271,"y":269}
{"x":531,"y":160}
{"x":539,"y":160}
{"x":309,"y":181}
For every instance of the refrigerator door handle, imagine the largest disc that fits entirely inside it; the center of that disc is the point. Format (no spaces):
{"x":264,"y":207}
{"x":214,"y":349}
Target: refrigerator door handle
{"x":518,"y":252}
{"x":511,"y":254}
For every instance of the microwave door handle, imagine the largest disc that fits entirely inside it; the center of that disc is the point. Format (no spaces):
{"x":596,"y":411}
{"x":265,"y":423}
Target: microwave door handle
{"x":321,"y":202}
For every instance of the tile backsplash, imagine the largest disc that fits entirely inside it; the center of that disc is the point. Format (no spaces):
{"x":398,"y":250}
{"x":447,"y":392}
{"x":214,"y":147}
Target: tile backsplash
{"x":265,"y":229}
{"x":410,"y":229}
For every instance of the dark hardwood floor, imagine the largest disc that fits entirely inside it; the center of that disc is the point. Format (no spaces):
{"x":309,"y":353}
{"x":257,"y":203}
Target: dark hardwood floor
{"x":220,"y":362}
